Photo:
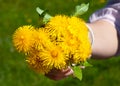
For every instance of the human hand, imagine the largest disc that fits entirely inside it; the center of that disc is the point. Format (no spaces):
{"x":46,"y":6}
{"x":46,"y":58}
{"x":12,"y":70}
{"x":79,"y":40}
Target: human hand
{"x":59,"y":74}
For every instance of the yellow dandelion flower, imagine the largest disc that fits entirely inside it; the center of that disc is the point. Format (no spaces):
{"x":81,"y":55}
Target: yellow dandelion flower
{"x":79,"y":31}
{"x":41,"y":39}
{"x":53,"y":58}
{"x":35,"y":63}
{"x":59,"y":22}
{"x":22,"y":38}
{"x":69,"y":44}
{"x":82,"y":53}
{"x":56,"y":28}
{"x":77,"y":27}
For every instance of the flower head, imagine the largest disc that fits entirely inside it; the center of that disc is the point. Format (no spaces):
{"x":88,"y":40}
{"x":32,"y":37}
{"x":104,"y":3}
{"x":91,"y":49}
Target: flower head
{"x":23,"y":39}
{"x":35,"y":63}
{"x":57,"y":28}
{"x":79,"y":30}
{"x":41,"y":39}
{"x":53,"y":58}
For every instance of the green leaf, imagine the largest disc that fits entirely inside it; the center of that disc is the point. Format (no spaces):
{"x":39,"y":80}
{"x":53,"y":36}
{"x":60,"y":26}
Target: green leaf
{"x":46,"y":17}
{"x":39,"y":11}
{"x":77,"y":72}
{"x":86,"y":64}
{"x":81,"y":9}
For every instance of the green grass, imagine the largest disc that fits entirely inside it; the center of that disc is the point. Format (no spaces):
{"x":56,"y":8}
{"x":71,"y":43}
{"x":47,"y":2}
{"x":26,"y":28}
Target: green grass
{"x":13,"y":69}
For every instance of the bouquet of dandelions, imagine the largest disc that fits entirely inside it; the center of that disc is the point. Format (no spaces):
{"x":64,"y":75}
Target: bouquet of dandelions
{"x":62,"y":42}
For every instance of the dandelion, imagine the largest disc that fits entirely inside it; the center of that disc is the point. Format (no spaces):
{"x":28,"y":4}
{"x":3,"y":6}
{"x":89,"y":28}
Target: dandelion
{"x":57,"y":28}
{"x":23,"y":39}
{"x":41,"y":39}
{"x":69,"y":44}
{"x":53,"y":58}
{"x":77,"y":27}
{"x":35,"y":63}
{"x":79,"y":31}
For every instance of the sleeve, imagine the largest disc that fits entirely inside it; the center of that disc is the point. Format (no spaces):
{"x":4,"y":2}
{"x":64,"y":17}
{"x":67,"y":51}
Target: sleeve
{"x":113,"y":1}
{"x":110,"y":13}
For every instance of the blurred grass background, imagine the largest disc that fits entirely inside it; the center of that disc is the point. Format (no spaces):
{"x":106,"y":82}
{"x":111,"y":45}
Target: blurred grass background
{"x":13,"y":69}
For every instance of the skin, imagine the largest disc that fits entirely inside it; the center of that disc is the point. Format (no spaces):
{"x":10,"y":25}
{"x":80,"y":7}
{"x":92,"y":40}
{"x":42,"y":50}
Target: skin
{"x":106,"y":39}
{"x":59,"y":74}
{"x":105,"y":46}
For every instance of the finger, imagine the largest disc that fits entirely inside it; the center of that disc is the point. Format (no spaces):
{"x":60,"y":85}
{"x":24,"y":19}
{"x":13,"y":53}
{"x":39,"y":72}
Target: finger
{"x":62,"y":75}
{"x":70,"y":72}
{"x":66,"y":70}
{"x":59,"y":72}
{"x":55,"y":76}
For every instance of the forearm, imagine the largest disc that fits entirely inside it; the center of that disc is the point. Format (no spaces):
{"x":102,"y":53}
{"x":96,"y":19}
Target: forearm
{"x":105,"y":39}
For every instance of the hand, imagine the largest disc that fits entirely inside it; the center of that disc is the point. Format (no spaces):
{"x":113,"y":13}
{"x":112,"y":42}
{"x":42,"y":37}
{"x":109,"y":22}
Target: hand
{"x":59,"y":74}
